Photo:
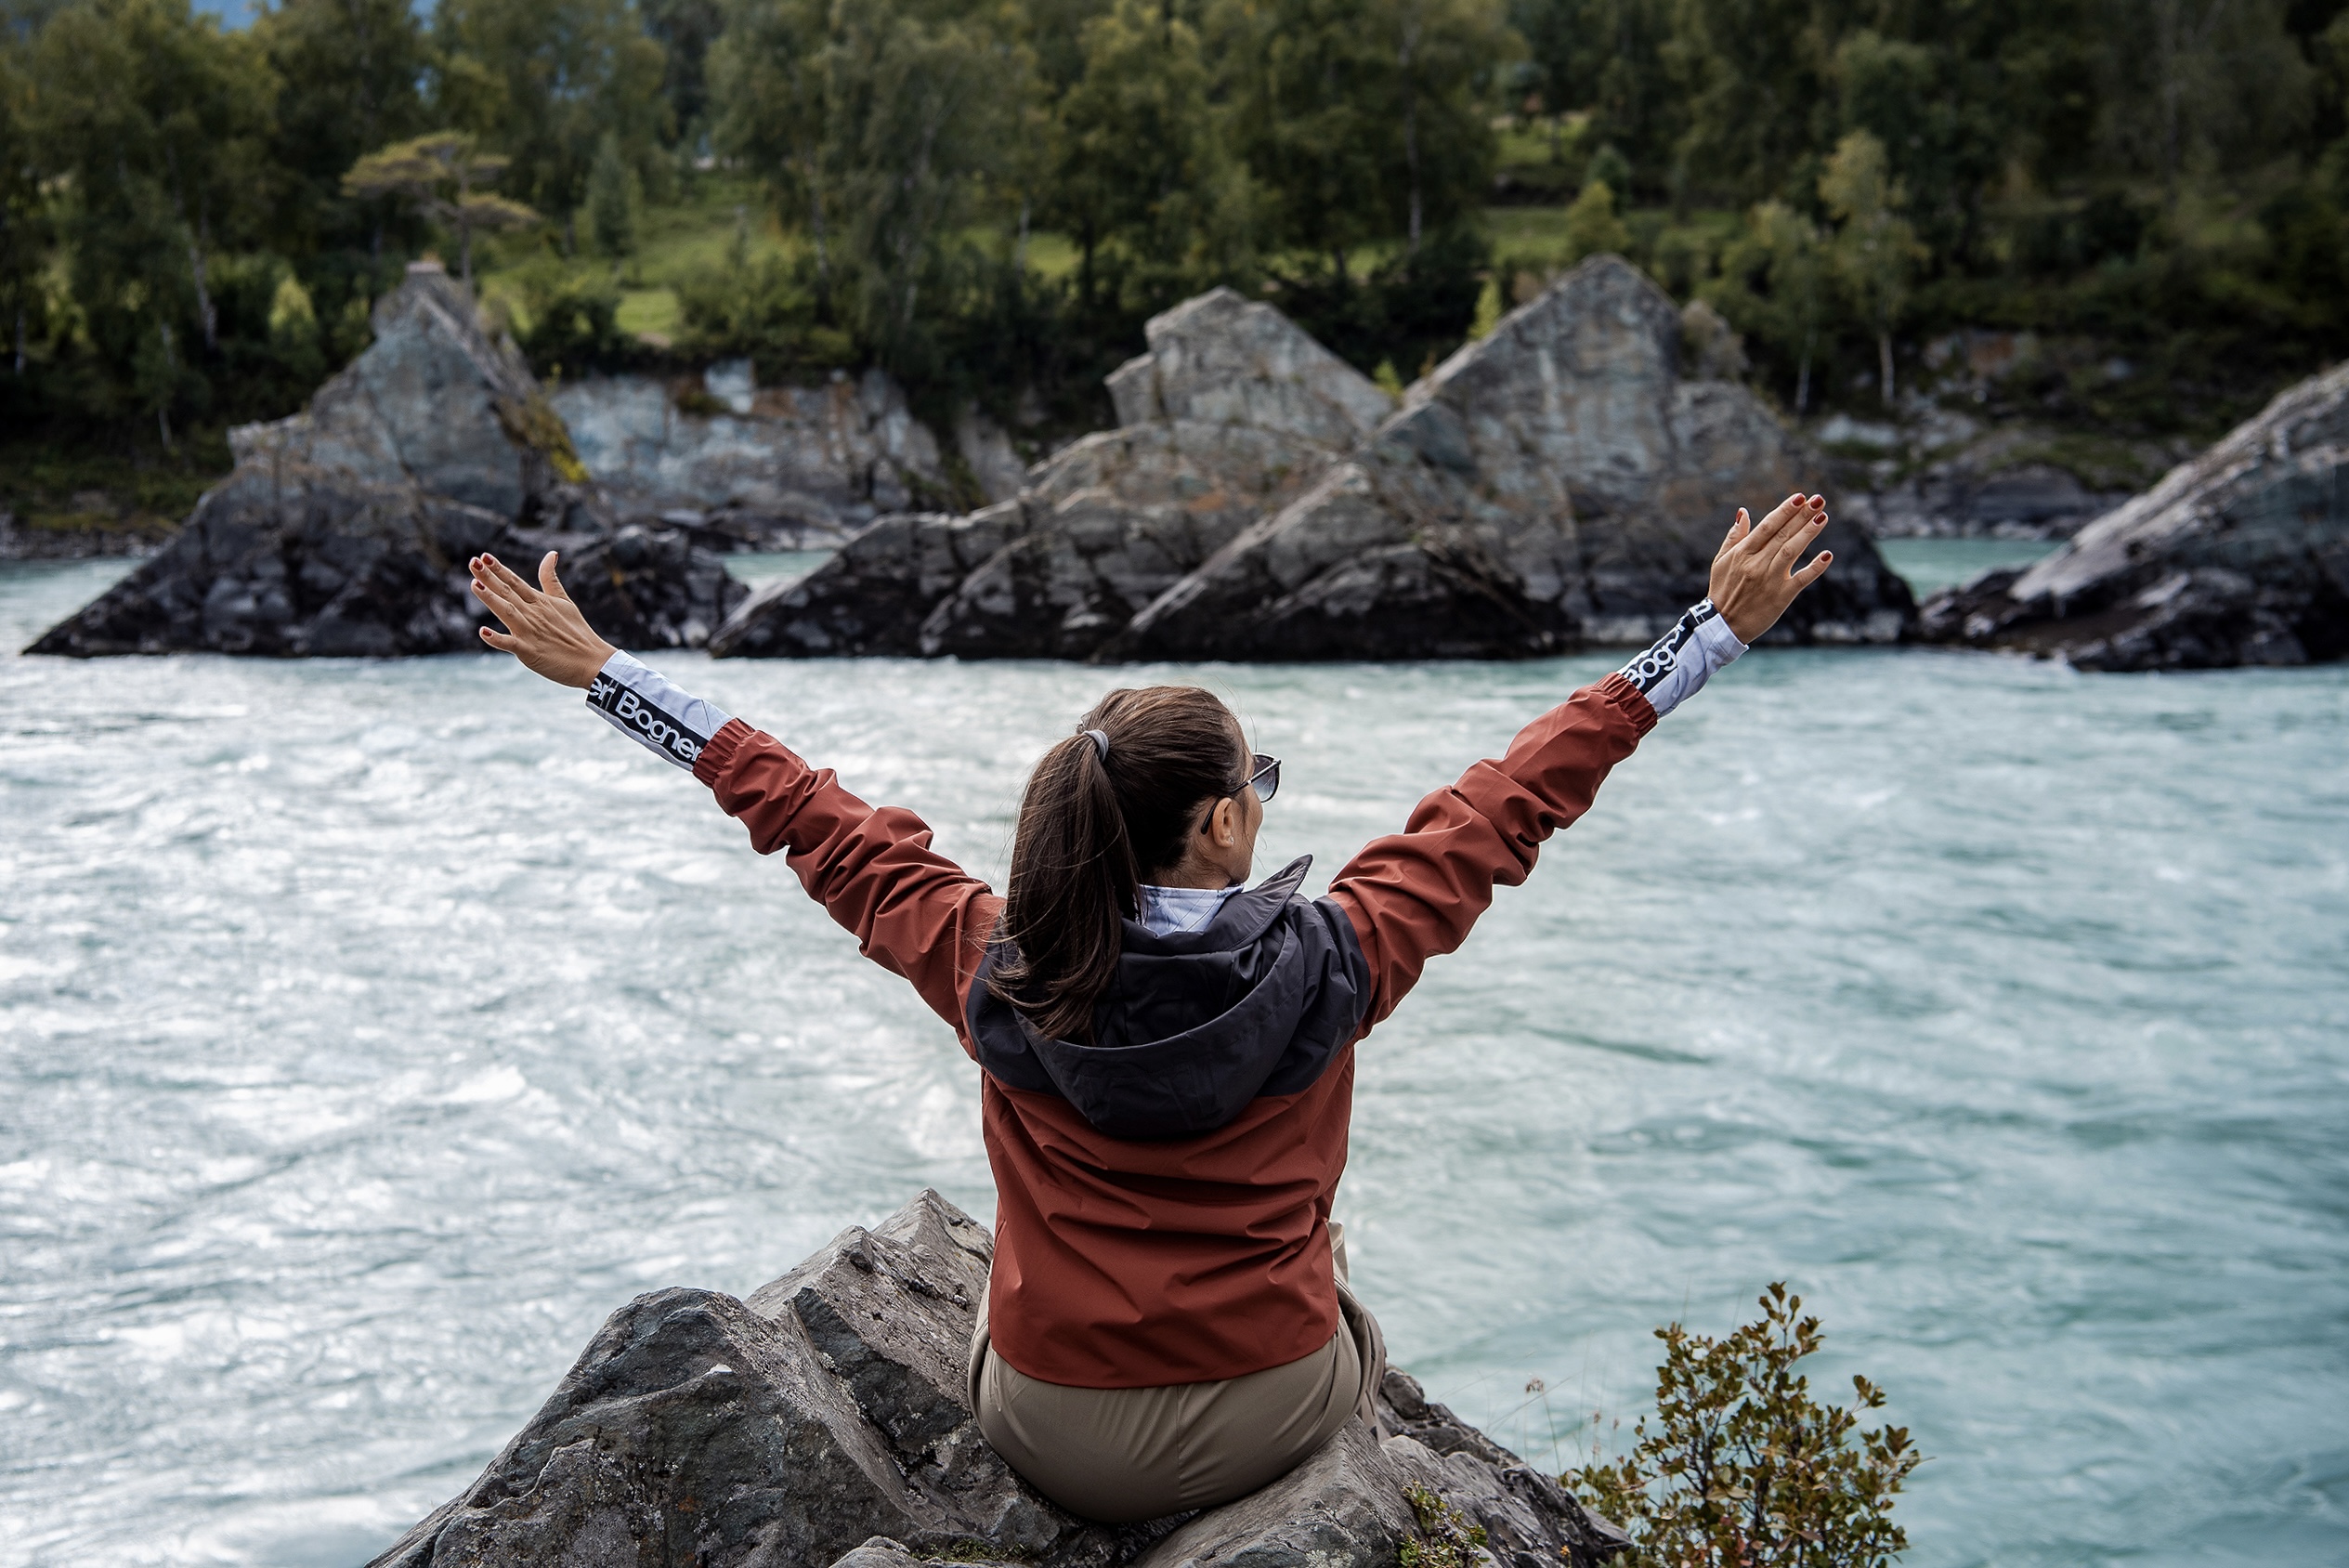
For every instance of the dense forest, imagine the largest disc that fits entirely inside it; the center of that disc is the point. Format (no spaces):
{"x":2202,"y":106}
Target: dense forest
{"x":988,"y":197}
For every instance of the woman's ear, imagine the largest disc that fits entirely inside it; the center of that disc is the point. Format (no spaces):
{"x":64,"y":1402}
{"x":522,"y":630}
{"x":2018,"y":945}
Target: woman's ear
{"x":1224,"y":823}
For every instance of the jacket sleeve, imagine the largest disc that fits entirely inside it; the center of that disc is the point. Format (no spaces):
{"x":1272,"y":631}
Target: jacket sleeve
{"x":913,"y":911}
{"x":1414,"y":894}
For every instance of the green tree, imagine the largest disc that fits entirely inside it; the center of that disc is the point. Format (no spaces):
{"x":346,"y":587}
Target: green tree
{"x":2219,"y":83}
{"x":1876,"y":252}
{"x":1592,"y":226}
{"x":544,"y":82}
{"x":1136,"y":162}
{"x":445,"y":177}
{"x":24,"y":217}
{"x":1606,"y":58}
{"x":350,"y":79}
{"x":876,"y":128}
{"x":770,"y":102}
{"x":613,"y":197}
{"x":1744,"y":1469}
{"x":1448,"y":57}
{"x":1775,"y":283}
{"x":1306,"y":81}
{"x":911,"y":141}
{"x":686,"y":29}
{"x":157,"y":125}
{"x":1758,"y":91}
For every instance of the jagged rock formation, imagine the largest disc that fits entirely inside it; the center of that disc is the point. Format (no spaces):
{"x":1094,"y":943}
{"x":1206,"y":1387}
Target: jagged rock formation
{"x":2240,"y":556}
{"x":773,"y":467}
{"x":1553,"y":485}
{"x":1232,"y":413}
{"x":822,"y":1424}
{"x":345,"y":528}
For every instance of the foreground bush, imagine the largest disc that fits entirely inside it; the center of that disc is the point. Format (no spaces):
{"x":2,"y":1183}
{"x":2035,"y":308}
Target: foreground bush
{"x":1744,"y":1469}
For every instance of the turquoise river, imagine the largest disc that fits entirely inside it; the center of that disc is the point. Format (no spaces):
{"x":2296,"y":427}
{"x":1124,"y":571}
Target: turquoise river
{"x":368,"y":1031}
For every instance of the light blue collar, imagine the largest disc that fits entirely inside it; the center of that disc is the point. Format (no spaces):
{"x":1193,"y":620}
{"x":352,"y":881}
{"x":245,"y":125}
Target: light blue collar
{"x":1169,"y":912}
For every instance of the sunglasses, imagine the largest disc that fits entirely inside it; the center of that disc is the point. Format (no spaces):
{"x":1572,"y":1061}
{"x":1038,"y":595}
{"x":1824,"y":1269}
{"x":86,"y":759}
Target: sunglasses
{"x":1266,"y":779}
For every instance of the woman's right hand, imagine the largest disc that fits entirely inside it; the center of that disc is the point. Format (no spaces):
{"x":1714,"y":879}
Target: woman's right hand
{"x":1754,"y":579}
{"x":544,"y":628}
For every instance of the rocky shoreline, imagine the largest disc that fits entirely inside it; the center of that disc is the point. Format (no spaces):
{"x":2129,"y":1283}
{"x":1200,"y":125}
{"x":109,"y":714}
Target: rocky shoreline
{"x":345,"y":529}
{"x":1555,"y":485}
{"x":822,"y":1423}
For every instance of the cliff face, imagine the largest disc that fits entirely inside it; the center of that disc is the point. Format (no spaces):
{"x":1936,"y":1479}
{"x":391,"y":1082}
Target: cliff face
{"x":1557,"y":484}
{"x":773,"y":466}
{"x":822,"y":1424}
{"x":2240,"y":556}
{"x":345,"y":528}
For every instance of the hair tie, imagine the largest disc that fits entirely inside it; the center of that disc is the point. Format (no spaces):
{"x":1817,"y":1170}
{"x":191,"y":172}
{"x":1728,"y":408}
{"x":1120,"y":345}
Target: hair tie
{"x":1101,"y":742}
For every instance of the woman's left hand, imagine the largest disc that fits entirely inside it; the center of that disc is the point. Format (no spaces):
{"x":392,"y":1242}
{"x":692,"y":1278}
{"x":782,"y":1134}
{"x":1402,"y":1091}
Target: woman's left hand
{"x":544,"y":628}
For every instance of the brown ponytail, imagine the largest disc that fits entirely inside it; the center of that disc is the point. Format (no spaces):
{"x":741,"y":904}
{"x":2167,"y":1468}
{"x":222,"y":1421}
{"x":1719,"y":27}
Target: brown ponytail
{"x":1091,"y":828}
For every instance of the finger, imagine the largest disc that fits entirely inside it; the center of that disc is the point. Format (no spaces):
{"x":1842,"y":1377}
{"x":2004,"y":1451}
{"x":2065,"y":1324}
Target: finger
{"x":1797,"y":539}
{"x":506,"y":578}
{"x":548,"y":580}
{"x":1740,"y":525}
{"x":494,"y":594}
{"x":1772,"y":526}
{"x":1813,"y":572}
{"x":501,"y":641}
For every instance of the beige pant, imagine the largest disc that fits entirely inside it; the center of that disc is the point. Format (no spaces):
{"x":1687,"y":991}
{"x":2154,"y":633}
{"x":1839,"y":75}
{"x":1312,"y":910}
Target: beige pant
{"x":1122,"y":1455}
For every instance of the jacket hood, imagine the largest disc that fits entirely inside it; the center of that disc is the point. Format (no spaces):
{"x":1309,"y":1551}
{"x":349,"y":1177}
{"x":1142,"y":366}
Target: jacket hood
{"x":1196,"y":1024}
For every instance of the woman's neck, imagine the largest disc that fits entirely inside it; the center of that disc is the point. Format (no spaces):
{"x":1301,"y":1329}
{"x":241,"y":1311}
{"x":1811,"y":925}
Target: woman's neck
{"x":1188,"y":875}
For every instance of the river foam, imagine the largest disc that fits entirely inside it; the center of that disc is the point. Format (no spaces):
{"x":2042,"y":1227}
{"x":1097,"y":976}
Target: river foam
{"x":372,"y":1029}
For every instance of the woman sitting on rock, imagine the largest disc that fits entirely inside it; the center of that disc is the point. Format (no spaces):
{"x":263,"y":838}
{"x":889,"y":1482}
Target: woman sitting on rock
{"x":1168,"y":1052}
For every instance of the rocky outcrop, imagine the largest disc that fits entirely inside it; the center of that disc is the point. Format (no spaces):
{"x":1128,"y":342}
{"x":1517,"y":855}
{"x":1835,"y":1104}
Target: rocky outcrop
{"x":345,"y":528}
{"x":1555,"y":485}
{"x":1552,"y":485}
{"x":776,"y":467}
{"x":1232,"y":412}
{"x":2238,"y":557}
{"x":822,"y":1424}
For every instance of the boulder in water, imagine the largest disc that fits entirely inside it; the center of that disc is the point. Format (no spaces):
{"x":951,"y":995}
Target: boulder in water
{"x":345,"y":528}
{"x":823,"y":1422}
{"x":1554,"y":484}
{"x":2238,"y":557}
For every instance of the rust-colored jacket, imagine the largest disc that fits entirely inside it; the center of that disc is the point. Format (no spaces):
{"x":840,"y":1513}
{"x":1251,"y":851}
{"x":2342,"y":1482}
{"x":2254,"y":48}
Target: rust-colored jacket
{"x":1135,"y":1263}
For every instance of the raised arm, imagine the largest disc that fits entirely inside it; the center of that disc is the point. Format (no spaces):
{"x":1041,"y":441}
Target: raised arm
{"x":913,"y":911}
{"x":1413,"y":895}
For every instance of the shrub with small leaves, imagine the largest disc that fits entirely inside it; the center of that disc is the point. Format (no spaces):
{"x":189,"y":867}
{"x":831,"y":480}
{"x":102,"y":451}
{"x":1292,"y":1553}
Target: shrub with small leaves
{"x":1744,"y":1469}
{"x":1446,"y":1539}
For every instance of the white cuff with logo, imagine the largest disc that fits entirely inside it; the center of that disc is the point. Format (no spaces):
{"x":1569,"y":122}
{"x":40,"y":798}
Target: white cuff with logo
{"x":639,"y":702}
{"x":1684,"y":657}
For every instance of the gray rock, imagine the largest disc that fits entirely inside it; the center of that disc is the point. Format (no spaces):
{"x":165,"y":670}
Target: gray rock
{"x":1945,"y":476}
{"x":822,"y":1422}
{"x":775,"y":468}
{"x":1231,"y":414}
{"x":343,"y":529}
{"x":874,"y":595}
{"x":1553,"y":485}
{"x":2238,"y":557}
{"x":1343,"y":1508}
